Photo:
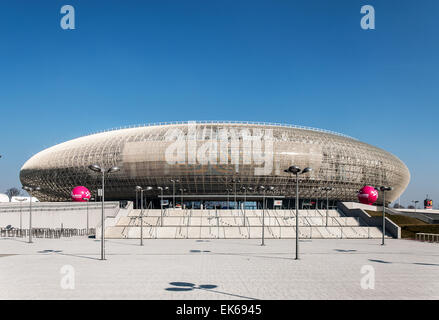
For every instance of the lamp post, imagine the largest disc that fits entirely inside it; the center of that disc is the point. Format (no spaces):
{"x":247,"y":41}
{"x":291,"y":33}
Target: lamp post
{"x":86,"y":200}
{"x":317,"y":200}
{"x":173,"y":191}
{"x":384,"y":189}
{"x":245,"y":196}
{"x":96,"y":168}
{"x":234,"y":180}
{"x":263,"y":213}
{"x":264,"y":206}
{"x":21,"y":224}
{"x":416,"y":203}
{"x":161,"y":204}
{"x":140,"y":189}
{"x":93,"y":199}
{"x":148,"y":188}
{"x":296,"y":170}
{"x":137,"y":198}
{"x":30,"y":190}
{"x":245,"y":199}
{"x":234,"y":188}
{"x":182,"y":190}
{"x":327,"y":189}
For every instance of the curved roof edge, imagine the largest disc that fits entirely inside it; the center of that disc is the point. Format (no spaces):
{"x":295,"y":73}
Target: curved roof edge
{"x":273,"y":124}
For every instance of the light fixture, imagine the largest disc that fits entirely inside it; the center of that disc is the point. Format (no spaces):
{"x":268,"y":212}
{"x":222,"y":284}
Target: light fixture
{"x":296,"y":171}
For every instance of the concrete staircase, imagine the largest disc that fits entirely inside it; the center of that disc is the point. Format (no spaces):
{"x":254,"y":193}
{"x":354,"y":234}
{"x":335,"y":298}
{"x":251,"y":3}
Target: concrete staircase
{"x":239,"y":224}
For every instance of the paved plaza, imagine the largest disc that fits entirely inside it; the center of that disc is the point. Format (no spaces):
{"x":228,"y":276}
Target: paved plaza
{"x":217,"y":269}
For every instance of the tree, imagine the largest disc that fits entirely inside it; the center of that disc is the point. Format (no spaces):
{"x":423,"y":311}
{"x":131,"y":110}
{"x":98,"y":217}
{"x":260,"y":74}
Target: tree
{"x":398,"y":206}
{"x":411,"y":207}
{"x":13,"y":192}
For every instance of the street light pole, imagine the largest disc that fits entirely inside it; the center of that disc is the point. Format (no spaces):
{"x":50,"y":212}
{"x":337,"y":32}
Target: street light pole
{"x":245,"y":197}
{"x":297,"y":215}
{"x":21,"y":219}
{"x":263,"y":214}
{"x":327,"y":202}
{"x":96,"y":168}
{"x":245,"y":200}
{"x":21,"y":213}
{"x":384,"y":216}
{"x":296,"y":170}
{"x":416,"y":203}
{"x":173,"y":191}
{"x":250,"y":189}
{"x":103,"y":217}
{"x":30,"y":218}
{"x":181,"y":197}
{"x":86,"y":200}
{"x":30,"y":190}
{"x":139,"y":188}
{"x":234,"y":187}
{"x":173,"y":194}
{"x":141,"y":216}
{"x":161,"y":205}
{"x":384,"y":189}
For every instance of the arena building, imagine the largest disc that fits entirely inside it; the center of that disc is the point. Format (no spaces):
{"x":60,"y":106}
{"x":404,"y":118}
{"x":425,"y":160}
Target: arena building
{"x":216,"y":164}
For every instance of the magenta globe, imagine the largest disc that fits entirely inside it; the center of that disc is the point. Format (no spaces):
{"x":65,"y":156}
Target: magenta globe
{"x":80,"y":193}
{"x":368,"y":195}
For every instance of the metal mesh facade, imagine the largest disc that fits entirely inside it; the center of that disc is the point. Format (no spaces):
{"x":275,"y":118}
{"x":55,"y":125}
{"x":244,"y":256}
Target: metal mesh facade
{"x":209,"y":158}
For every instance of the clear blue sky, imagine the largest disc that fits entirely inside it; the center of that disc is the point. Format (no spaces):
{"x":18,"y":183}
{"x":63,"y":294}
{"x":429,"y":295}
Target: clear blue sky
{"x":300,"y":62}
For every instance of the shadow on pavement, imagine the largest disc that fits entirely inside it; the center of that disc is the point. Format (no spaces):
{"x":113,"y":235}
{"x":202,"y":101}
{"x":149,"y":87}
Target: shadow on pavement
{"x":187,"y":286}
{"x":59,"y":252}
{"x":379,"y":261}
{"x":345,"y":250}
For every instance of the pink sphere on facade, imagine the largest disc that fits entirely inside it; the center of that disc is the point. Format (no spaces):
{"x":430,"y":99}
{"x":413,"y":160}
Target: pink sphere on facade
{"x":368,"y":195}
{"x":79,"y":193}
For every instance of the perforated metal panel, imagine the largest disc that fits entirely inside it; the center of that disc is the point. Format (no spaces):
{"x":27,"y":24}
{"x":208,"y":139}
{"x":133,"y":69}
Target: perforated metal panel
{"x":207,"y":158}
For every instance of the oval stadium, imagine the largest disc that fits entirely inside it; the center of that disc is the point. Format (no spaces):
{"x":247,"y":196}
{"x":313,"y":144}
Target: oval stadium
{"x":217,"y":162}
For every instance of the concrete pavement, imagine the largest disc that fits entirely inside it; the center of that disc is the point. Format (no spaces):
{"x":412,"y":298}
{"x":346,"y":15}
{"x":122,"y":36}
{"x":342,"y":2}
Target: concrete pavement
{"x":217,"y":269}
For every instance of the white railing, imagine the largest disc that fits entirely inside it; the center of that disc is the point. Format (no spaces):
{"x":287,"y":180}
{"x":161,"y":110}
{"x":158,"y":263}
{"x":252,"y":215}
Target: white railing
{"x":341,"y":227}
{"x":429,"y":237}
{"x":200,"y":122}
{"x":57,"y":206}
